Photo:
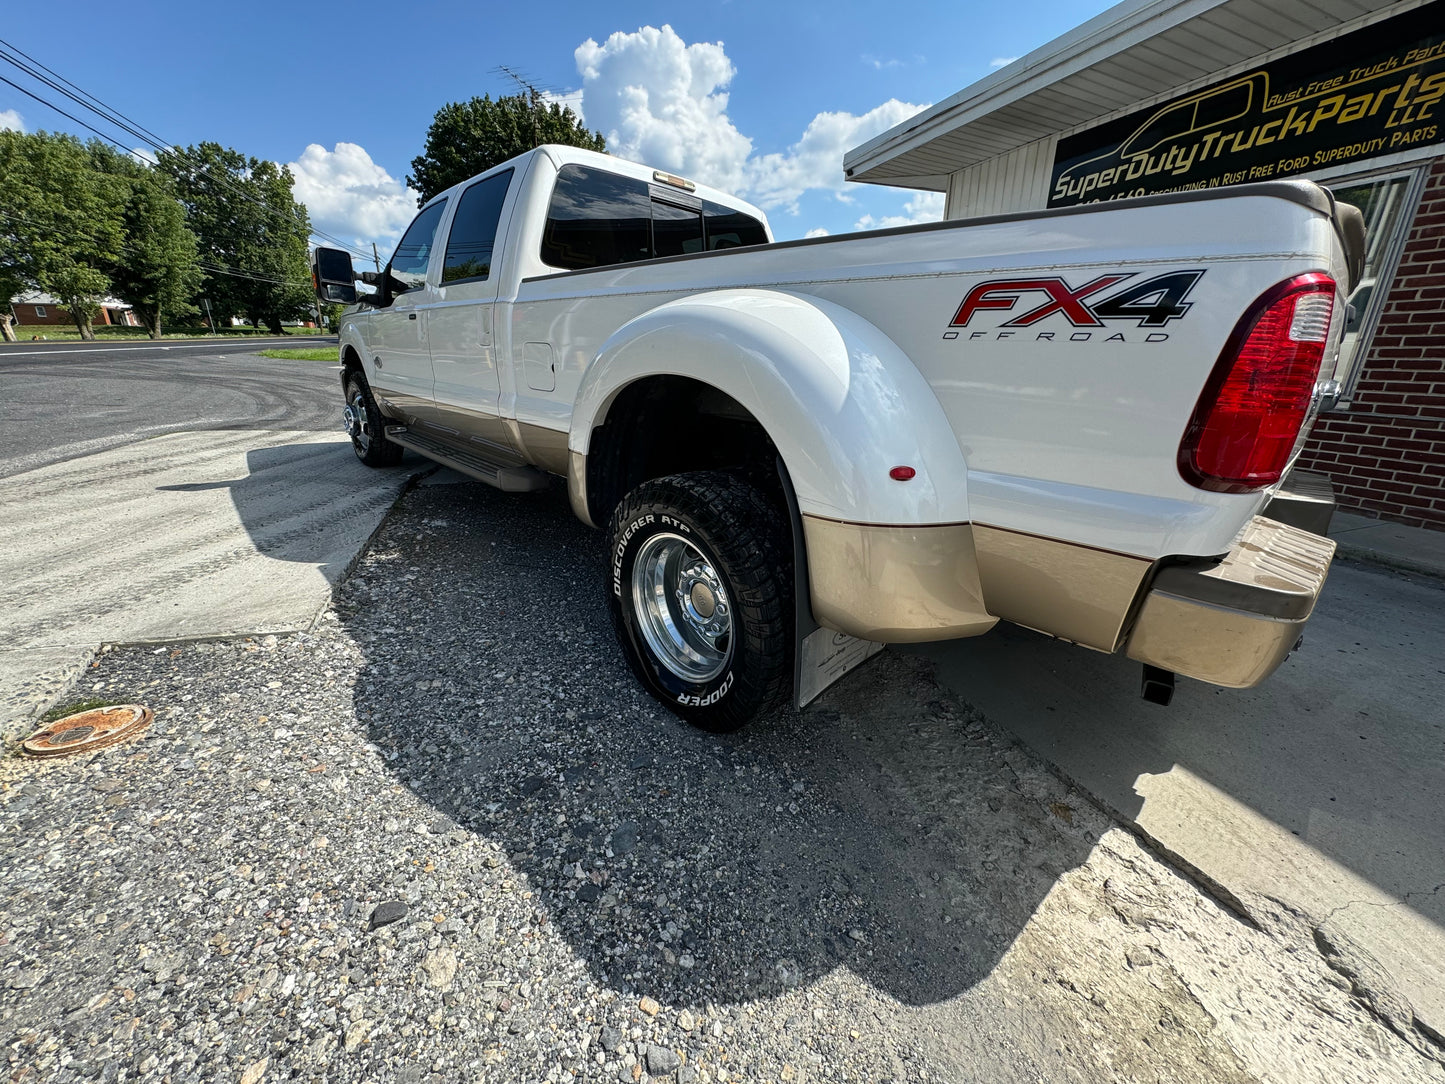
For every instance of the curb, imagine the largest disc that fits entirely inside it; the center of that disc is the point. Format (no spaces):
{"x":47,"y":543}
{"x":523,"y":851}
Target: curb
{"x":1385,"y":559}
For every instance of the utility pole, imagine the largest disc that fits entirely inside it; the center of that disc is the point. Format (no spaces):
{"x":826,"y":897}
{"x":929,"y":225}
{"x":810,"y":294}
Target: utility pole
{"x":375,"y":257}
{"x":206,"y":301}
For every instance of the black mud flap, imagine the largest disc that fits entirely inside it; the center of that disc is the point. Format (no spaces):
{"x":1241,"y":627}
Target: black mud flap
{"x":820,"y":656}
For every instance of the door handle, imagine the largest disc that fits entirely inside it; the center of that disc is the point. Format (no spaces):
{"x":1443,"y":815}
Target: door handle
{"x":411,"y":316}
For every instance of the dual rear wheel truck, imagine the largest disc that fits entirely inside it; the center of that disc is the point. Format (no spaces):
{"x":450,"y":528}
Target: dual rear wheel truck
{"x":1083,"y":421}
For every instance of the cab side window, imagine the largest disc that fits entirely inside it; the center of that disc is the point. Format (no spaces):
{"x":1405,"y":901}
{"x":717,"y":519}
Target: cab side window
{"x":409,"y":261}
{"x":596,"y":219}
{"x":474,"y":231}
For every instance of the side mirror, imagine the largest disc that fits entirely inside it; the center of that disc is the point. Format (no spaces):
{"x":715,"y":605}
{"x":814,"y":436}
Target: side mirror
{"x":332,"y":276}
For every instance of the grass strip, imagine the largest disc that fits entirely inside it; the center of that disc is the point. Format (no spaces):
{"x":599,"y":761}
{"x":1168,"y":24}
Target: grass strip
{"x":310,"y":353}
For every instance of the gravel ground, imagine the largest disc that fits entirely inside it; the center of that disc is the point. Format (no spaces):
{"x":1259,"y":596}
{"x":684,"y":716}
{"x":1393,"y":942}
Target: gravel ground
{"x":445,"y":837}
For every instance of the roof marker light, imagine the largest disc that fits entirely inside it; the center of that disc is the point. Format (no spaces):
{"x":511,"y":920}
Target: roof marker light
{"x":901,"y":474}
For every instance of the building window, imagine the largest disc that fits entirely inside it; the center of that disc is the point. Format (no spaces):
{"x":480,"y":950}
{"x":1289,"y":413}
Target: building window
{"x":40,"y":312}
{"x":1388,"y":202}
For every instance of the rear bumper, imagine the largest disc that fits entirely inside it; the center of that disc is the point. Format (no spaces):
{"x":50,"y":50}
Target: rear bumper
{"x":1232,"y":623}
{"x":1306,"y":500}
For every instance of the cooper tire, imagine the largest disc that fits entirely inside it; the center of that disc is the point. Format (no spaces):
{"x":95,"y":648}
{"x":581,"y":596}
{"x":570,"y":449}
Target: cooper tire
{"x":690,"y":555}
{"x":366,"y":425}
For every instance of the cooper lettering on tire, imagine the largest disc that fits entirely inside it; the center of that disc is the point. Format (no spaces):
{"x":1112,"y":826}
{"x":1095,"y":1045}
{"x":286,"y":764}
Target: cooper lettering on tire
{"x":701,"y":596}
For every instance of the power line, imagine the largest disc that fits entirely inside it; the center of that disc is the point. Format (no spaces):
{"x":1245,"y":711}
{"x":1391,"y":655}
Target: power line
{"x":114,"y":115}
{"x":62,"y":112}
{"x":219,"y":269}
{"x":126,"y":125}
{"x":130,"y":127}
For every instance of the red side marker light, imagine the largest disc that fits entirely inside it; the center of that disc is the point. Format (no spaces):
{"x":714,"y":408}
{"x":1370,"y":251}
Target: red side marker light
{"x":901,"y":474}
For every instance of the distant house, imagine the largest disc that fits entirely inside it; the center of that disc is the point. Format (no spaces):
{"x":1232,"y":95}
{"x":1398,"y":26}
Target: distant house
{"x":42,"y":309}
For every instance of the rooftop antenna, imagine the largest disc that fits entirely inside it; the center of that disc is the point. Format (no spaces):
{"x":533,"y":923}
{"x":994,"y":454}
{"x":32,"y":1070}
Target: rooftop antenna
{"x":534,"y":97}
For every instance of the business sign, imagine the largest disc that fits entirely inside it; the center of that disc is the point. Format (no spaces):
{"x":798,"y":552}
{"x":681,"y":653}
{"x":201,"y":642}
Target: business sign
{"x":1373,"y":92}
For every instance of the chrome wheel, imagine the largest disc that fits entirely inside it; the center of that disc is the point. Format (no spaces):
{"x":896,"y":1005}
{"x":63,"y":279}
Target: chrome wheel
{"x":358,"y":424}
{"x":682,"y":608}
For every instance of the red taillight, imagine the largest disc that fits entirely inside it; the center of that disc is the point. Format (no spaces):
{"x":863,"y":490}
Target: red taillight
{"x":1257,"y":398}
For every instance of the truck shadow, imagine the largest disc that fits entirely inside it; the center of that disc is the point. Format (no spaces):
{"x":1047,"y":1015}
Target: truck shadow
{"x":1340,"y":747}
{"x":887,"y":831}
{"x":309,"y":502}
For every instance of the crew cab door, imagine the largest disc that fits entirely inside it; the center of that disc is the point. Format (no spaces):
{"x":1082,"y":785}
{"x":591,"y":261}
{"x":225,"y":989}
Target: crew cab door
{"x":398,"y":332}
{"x":461,"y":320}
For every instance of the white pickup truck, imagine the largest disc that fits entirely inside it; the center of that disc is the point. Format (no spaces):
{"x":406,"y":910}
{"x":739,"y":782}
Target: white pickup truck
{"x":1079,"y":420}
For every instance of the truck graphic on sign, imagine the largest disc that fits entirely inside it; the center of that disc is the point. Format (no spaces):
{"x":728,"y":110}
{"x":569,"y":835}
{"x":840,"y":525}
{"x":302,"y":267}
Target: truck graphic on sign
{"x":1324,"y":113}
{"x":1162,"y":143}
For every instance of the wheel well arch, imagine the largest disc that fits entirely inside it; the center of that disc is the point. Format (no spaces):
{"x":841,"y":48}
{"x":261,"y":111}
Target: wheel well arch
{"x":666,"y":424}
{"x":350,"y":363}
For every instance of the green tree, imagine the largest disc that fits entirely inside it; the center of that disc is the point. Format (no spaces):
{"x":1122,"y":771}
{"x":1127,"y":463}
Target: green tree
{"x":157,"y":272}
{"x":467,"y":138}
{"x":250,"y":231}
{"x":61,"y":227}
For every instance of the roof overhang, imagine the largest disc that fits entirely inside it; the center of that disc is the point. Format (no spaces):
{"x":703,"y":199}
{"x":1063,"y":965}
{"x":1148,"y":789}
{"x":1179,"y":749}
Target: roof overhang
{"x":1116,"y":61}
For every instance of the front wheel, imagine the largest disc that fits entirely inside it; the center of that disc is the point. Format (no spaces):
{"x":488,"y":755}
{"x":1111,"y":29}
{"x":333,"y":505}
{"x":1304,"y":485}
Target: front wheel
{"x":366,"y":427}
{"x":701,"y":596}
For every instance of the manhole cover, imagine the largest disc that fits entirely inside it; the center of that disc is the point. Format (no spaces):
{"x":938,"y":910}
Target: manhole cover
{"x":87,"y":730}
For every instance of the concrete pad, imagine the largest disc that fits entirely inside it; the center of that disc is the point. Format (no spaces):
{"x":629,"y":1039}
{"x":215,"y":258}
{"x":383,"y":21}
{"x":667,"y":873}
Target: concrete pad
{"x":190,"y":535}
{"x":1319,"y":790}
{"x":1394,"y":544}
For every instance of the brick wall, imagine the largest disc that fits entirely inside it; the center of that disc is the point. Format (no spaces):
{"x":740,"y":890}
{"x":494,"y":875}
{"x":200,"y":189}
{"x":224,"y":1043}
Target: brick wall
{"x":58,"y":314}
{"x":54,"y":314}
{"x":1386,"y":455}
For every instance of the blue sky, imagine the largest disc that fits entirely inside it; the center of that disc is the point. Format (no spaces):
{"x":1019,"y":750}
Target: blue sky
{"x":759,"y":98}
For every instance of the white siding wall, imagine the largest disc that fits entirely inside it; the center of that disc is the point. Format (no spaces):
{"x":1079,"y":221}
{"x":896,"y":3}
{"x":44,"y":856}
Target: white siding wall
{"x":1016,"y":181}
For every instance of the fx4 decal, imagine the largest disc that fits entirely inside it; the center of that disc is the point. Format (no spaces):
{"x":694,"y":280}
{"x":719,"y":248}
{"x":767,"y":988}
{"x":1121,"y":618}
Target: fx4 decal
{"x":1152,"y":303}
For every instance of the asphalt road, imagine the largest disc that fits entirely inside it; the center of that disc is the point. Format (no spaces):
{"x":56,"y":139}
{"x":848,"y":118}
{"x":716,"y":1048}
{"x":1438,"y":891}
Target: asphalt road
{"x":63,"y":400}
{"x":170,"y":491}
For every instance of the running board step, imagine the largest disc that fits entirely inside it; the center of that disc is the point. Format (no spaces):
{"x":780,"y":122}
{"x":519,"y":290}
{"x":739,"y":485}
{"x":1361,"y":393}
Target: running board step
{"x":511,"y":479}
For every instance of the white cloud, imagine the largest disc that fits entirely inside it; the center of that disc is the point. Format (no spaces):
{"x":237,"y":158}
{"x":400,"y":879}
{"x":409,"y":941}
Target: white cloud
{"x":1001,"y":61}
{"x":349,"y":195}
{"x":816,"y":160}
{"x":921,"y":207}
{"x":571,"y":99}
{"x":817,"y":231}
{"x":11,"y":121}
{"x":662,"y":101}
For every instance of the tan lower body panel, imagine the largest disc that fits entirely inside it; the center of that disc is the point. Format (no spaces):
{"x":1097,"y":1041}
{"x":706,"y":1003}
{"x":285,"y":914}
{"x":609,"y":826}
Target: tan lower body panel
{"x":577,"y":487}
{"x":895,"y":584}
{"x":1070,"y":591}
{"x":544,"y":448}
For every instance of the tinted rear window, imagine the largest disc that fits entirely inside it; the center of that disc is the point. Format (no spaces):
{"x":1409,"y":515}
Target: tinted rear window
{"x":727,"y":228}
{"x":676,"y":231}
{"x":598,"y":218}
